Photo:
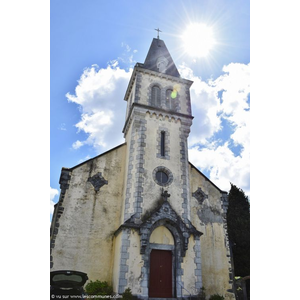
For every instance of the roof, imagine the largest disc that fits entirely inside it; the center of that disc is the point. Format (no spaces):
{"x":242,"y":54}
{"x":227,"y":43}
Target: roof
{"x":159,"y":59}
{"x":102,"y":154}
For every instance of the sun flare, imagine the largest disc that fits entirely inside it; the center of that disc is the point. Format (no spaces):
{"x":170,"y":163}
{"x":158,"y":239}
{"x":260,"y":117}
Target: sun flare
{"x":198,"y":39}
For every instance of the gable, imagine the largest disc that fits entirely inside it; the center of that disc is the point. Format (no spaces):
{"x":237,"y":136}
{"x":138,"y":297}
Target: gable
{"x":109,"y":152}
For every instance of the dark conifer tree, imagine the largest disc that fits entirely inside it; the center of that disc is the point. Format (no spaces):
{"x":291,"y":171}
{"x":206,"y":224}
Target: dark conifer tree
{"x":238,"y":222}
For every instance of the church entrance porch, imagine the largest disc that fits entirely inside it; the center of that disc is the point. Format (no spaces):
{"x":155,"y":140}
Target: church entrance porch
{"x":160,"y":282}
{"x":162,"y":241}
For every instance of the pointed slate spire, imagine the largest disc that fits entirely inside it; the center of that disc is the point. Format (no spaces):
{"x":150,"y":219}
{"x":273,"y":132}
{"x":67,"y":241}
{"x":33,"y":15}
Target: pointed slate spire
{"x":159,"y":59}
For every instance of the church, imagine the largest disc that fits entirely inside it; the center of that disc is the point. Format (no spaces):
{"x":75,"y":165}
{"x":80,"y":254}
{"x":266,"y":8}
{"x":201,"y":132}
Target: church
{"x":140,"y":215}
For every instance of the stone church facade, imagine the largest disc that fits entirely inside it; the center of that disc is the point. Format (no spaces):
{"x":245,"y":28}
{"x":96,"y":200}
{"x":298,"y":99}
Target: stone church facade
{"x":141,"y":215}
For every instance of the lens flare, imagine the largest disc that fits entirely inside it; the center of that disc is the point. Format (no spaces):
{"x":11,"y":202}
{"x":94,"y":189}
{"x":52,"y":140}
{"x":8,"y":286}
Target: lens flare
{"x":174,"y":94}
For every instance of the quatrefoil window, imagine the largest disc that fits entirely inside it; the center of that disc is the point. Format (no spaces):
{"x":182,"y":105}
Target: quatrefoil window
{"x":97,"y":181}
{"x":200,"y":195}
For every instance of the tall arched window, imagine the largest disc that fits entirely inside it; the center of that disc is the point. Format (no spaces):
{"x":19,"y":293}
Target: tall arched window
{"x":168,"y":98}
{"x":156,"y":96}
{"x":162,"y":143}
{"x":171,"y":98}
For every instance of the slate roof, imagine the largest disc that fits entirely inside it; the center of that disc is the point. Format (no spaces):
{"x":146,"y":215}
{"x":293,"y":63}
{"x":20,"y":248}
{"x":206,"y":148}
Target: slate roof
{"x":157,"y":51}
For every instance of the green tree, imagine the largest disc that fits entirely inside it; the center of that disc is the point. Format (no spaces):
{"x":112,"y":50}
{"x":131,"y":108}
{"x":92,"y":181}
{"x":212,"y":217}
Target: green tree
{"x":238,"y":222}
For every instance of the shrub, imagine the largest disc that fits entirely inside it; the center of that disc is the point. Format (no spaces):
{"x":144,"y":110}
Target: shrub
{"x":127,"y":295}
{"x":201,"y":295}
{"x":216,"y":297}
{"x":101,"y":288}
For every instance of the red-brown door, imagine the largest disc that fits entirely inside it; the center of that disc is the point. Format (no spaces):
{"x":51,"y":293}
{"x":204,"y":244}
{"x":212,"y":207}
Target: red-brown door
{"x":160,"y":285}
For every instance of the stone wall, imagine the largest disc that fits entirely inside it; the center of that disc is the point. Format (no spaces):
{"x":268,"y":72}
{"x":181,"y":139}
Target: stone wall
{"x":91,"y":213}
{"x":208,"y":216}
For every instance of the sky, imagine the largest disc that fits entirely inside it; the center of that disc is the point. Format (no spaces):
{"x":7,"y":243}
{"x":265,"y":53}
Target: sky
{"x":94,"y":46}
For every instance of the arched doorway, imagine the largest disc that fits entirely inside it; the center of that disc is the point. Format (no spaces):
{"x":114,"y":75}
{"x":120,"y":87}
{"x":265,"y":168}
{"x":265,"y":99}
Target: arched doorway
{"x":173,"y":235}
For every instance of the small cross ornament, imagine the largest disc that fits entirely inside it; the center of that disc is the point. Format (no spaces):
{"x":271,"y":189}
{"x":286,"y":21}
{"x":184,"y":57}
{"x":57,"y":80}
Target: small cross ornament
{"x":165,"y":195}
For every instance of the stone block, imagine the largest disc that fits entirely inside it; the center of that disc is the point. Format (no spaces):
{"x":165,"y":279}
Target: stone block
{"x":124,"y":255}
{"x":198,"y":272}
{"x":124,"y":269}
{"x":123,"y":282}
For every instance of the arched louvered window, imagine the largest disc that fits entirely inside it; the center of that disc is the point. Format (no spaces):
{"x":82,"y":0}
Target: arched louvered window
{"x":168,"y":99}
{"x":156,"y":96}
{"x":171,"y":99}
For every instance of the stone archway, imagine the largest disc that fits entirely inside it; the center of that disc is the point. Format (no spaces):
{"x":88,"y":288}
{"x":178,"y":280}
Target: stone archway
{"x":172,"y":250}
{"x":164,"y":215}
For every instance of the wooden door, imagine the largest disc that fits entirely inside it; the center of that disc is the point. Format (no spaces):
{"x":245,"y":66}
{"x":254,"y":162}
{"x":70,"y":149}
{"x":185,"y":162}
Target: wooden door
{"x":160,"y":283}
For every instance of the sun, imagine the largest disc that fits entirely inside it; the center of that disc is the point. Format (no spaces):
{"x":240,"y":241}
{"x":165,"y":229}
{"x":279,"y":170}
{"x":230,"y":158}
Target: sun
{"x":198,"y":39}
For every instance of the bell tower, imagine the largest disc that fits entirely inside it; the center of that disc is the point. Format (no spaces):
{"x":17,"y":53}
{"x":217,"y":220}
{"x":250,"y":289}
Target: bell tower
{"x":156,"y":198}
{"x":156,"y":129}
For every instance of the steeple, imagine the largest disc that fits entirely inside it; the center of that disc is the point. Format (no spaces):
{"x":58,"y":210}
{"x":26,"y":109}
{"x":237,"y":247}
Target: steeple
{"x":157,"y":126}
{"x":159,"y":59}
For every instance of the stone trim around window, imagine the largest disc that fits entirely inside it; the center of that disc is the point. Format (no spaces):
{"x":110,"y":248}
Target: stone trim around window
{"x":165,"y":170}
{"x":167,"y":143}
{"x":174,"y":103}
{"x":175,"y":107}
{"x":149,"y":96}
{"x":199,"y":195}
{"x":97,"y":181}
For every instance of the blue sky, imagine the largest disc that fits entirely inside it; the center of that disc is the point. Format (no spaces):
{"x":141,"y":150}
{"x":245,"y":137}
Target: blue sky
{"x":96,"y":42}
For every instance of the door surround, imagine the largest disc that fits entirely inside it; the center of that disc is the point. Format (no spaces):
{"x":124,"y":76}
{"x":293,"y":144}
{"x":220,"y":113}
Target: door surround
{"x":177,"y":259}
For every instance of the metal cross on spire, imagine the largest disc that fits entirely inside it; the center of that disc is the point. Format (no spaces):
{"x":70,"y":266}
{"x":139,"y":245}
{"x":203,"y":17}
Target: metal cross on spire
{"x":158,"y":31}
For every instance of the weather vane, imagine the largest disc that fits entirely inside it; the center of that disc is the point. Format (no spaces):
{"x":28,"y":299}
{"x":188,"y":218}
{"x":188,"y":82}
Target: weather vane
{"x":158,"y":31}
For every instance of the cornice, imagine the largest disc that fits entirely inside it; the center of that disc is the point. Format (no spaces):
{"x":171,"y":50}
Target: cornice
{"x":154,"y":111}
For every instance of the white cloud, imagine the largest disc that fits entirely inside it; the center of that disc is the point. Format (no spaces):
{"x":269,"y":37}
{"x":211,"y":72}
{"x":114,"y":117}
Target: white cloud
{"x":53,"y":194}
{"x":205,"y":108}
{"x":241,"y":135}
{"x":96,"y":125}
{"x":223,"y":165}
{"x":100,"y":94}
{"x":77,"y":145}
{"x":210,"y":108}
{"x":236,"y":86}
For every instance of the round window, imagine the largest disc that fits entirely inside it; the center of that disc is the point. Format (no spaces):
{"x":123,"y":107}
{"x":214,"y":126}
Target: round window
{"x":162,"y":176}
